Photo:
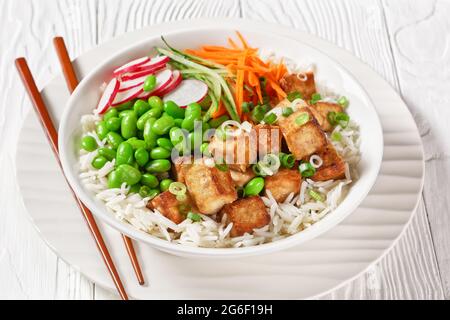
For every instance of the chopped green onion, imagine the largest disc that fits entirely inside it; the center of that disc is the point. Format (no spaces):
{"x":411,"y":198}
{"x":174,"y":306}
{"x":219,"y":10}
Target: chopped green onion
{"x":222,"y":166}
{"x":343,"y":101}
{"x":315,"y":97}
{"x":306,"y":169}
{"x":246,"y":107}
{"x":331,"y":117}
{"x":287,"y":111}
{"x":270,"y":118}
{"x":181,"y":197}
{"x":294,"y":95}
{"x":287,"y":160}
{"x":144,"y":191}
{"x":315,"y":195}
{"x":184,"y":208}
{"x":177,"y":188}
{"x":258,"y":113}
{"x":302,"y":118}
{"x":257,"y":170}
{"x":194,"y":216}
{"x":336,"y":136}
{"x":342,"y":119}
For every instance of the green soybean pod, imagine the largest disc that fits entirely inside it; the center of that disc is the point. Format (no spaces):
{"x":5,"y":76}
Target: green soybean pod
{"x":129,"y":174}
{"x":149,"y":136}
{"x":254,"y":186}
{"x":114,"y":139}
{"x":88,"y":143}
{"x":160,"y":153}
{"x":173,"y":110}
{"x":188,"y":124}
{"x":99,"y":161}
{"x":141,"y":107}
{"x":114,"y":179}
{"x":111,"y":113}
{"x":137,"y":143}
{"x":163,"y":125}
{"x":165,"y":184}
{"x":152,"y":113}
{"x":101,"y":130}
{"x":113,"y":124}
{"x":155,"y":102}
{"x":149,"y":180}
{"x":124,"y":154}
{"x":165,"y":143}
{"x":178,"y":122}
{"x":107,"y":153}
{"x":141,"y":155}
{"x":128,"y":127}
{"x":125,"y":113}
{"x":158,"y":166}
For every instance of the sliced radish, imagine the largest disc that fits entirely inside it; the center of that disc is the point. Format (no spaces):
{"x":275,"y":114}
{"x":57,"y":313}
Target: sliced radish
{"x":141,"y":73}
{"x":108,"y":96}
{"x":163,"y":78}
{"x":130,"y":66}
{"x":189,"y":90}
{"x":129,"y":84}
{"x":154,"y":62}
{"x":174,"y":82}
{"x":127,"y":95}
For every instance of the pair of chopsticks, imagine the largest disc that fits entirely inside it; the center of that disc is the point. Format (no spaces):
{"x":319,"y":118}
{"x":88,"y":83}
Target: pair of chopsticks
{"x":52,"y":136}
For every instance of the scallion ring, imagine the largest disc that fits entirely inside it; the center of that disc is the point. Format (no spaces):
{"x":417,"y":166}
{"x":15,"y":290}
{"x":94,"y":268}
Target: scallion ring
{"x":270,"y":118}
{"x":342,"y":119}
{"x":294,"y":95}
{"x":343,"y":101}
{"x":316,"y":161}
{"x":315,"y":195}
{"x":194,"y":216}
{"x":336,"y":136}
{"x":287,"y":160}
{"x":177,"y":188}
{"x":226,"y":128}
{"x":287,"y":112}
{"x":302,"y":118}
{"x":270,"y":164}
{"x":306,"y":169}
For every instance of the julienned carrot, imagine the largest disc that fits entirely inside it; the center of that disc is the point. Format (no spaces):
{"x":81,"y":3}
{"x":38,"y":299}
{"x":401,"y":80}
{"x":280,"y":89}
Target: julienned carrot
{"x":243,"y":63}
{"x":220,"y":110}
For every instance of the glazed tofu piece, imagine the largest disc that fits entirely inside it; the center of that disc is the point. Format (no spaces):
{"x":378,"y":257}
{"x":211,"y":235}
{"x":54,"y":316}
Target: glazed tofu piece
{"x":246,"y":214}
{"x":321,"y":112}
{"x":180,"y":167}
{"x":241,"y":178}
{"x":235,"y":151}
{"x":210,"y":188}
{"x":302,"y":139}
{"x":268,"y":139}
{"x":333,"y":166}
{"x":283,"y":183}
{"x":170,"y":207}
{"x":301,"y":82}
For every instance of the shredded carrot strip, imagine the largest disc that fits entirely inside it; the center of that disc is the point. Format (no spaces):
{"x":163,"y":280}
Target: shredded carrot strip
{"x":244,"y":43}
{"x":220,"y":110}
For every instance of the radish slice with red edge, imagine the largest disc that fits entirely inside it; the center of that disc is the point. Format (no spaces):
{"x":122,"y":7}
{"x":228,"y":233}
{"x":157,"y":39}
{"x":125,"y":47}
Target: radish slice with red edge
{"x":130,"y":66}
{"x":141,"y":73}
{"x":127,"y":95}
{"x":108,"y":96}
{"x":129,"y":84}
{"x":163,"y":78}
{"x":154,"y":62}
{"x":174,"y":82}
{"x":189,"y":91}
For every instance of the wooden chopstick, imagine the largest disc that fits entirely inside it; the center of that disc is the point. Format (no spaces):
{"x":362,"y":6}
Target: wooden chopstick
{"x":52,"y":136}
{"x":72,"y":82}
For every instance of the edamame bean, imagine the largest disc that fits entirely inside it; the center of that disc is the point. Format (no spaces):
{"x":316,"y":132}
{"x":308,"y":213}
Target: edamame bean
{"x":193,"y":110}
{"x":113,"y":123}
{"x":99,"y":161}
{"x":160,"y":153}
{"x":149,"y":83}
{"x":125,"y":113}
{"x":135,"y":188}
{"x":129,"y":174}
{"x":153,"y":193}
{"x":137,"y":143}
{"x":114,"y":139}
{"x":141,"y":107}
{"x":124,"y":154}
{"x":155,"y":102}
{"x":125,"y":106}
{"x":152,"y":113}
{"x":114,"y":179}
{"x":173,"y":110}
{"x":254,"y":187}
{"x":107,"y":153}
{"x":164,"y":143}
{"x":176,"y":135}
{"x":215,"y":123}
{"x":188,"y":124}
{"x":149,"y":136}
{"x":195,"y":139}
{"x":141,"y":156}
{"x":178,"y":122}
{"x":144,"y":191}
{"x":110,"y":114}
{"x":101,"y":130}
{"x":157,"y":166}
{"x":149,"y":180}
{"x":165,"y":184}
{"x":163,"y":125}
{"x":88,"y":143}
{"x":204,"y":149}
{"x":128,"y":126}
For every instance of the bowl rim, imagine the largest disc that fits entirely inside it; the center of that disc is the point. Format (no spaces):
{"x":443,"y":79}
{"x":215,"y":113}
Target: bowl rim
{"x":164,"y":245}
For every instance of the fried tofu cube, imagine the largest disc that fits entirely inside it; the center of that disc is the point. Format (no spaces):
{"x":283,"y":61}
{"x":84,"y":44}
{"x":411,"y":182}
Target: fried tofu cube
{"x":210,"y":188}
{"x":333,"y":166}
{"x":301,"y":82}
{"x":246,"y":214}
{"x":268,"y":139}
{"x":302,"y":139}
{"x":322,"y":109}
{"x":241,"y":178}
{"x":236,"y":152}
{"x":170,"y":207}
{"x":283,"y":183}
{"x":180,"y":167}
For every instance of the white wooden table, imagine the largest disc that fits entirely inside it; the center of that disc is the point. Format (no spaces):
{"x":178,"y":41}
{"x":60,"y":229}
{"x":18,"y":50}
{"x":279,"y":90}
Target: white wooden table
{"x":407,"y":42}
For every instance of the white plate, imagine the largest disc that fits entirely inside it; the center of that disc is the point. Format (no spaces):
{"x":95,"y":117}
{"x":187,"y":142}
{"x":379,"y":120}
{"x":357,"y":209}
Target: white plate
{"x":301,"y":272}
{"x":85,"y":98}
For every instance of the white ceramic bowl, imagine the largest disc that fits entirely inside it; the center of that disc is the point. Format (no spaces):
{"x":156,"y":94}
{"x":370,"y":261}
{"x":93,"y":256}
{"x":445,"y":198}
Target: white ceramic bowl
{"x":85,"y":98}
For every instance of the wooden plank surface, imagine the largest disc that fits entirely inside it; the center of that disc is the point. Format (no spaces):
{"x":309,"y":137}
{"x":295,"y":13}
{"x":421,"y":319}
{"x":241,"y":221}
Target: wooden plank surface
{"x":390,"y":36}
